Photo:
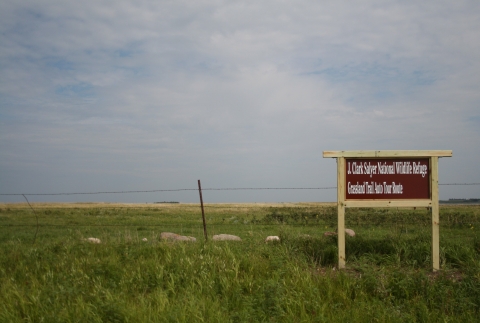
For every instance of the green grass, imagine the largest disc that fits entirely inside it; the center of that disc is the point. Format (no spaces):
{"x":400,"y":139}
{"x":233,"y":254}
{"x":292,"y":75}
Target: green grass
{"x":61,"y":278}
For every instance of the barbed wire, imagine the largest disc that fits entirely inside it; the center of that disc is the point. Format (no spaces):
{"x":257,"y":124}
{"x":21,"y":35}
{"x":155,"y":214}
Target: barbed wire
{"x":171,"y":190}
{"x":269,"y":206}
{"x":89,"y":225}
{"x":93,"y":193}
{"x":196,"y":189}
{"x":460,"y":184}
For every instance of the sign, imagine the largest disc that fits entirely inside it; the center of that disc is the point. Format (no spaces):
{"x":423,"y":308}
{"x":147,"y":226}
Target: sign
{"x":389,"y":179}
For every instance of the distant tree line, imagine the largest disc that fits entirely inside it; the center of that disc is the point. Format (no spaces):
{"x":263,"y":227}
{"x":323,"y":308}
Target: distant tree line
{"x":169,"y":202}
{"x":459,"y":201}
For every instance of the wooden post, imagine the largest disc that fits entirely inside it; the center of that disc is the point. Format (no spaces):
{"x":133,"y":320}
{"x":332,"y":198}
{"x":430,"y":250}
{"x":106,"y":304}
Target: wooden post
{"x":435,"y":213}
{"x":203,"y":212}
{"x":341,"y":211}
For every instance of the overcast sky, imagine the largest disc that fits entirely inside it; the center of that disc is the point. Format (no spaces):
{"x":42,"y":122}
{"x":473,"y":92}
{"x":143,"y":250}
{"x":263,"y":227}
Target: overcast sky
{"x":146,"y":95}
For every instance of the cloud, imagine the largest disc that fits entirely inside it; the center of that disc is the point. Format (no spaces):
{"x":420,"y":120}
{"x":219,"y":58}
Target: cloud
{"x":242,"y":93}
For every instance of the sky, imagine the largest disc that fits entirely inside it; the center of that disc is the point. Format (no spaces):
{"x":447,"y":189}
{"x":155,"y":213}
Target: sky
{"x":145,"y":95}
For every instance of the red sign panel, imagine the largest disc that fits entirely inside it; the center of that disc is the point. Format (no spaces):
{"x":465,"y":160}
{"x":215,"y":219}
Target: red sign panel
{"x":390,"y":179}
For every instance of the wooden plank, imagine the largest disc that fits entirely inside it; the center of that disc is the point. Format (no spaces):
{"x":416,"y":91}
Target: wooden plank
{"x":435,"y":214}
{"x":341,"y":211}
{"x":386,"y":153}
{"x":387,"y":203}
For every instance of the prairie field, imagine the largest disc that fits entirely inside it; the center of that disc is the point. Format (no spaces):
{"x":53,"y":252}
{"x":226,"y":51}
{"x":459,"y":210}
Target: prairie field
{"x":50,"y":273}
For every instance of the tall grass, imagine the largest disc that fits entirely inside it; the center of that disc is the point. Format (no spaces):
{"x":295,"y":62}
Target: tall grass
{"x":62,"y":278}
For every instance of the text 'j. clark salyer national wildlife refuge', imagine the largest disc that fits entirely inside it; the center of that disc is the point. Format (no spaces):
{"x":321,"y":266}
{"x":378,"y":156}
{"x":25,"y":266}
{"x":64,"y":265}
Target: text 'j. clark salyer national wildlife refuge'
{"x":387,"y":178}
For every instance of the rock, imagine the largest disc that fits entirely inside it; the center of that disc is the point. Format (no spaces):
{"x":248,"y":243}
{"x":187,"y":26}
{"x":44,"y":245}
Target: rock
{"x":176,"y":237}
{"x":225,"y":237}
{"x":272,"y":238}
{"x":350,"y":232}
{"x":93,"y":240}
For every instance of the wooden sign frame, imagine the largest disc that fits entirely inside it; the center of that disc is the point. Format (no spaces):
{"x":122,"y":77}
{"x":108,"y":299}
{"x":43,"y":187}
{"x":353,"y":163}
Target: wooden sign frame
{"x":431,"y":202}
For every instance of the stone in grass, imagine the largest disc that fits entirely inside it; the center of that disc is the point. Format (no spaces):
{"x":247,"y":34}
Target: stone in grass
{"x":272,"y":238}
{"x":349,"y":232}
{"x":225,"y":237}
{"x":169,"y":236}
{"x":93,"y":240}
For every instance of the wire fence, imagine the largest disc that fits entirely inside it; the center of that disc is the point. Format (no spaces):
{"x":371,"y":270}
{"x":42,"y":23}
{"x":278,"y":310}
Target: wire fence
{"x":305,"y":217}
{"x":174,"y":190}
{"x":203,"y":189}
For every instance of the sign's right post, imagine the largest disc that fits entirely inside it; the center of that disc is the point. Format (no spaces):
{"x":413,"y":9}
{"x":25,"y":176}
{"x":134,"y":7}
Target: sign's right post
{"x":435,"y":213}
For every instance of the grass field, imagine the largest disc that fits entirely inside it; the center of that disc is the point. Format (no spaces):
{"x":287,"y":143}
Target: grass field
{"x":48,"y":273}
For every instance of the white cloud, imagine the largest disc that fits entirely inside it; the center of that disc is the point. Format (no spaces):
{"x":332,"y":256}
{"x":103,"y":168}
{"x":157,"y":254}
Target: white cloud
{"x":244,"y":91}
